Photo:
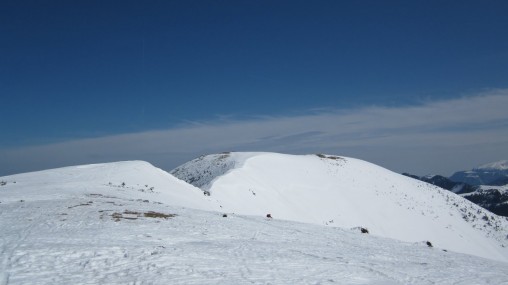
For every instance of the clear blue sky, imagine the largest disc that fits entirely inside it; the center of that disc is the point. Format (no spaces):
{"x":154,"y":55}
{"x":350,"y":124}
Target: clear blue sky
{"x":87,"y":69}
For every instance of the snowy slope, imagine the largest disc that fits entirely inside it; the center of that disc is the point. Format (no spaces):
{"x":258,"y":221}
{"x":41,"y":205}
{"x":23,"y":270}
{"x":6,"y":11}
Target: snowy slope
{"x":501,"y":189}
{"x":132,"y":179}
{"x":348,"y":193}
{"x":494,"y":198}
{"x":72,"y":227}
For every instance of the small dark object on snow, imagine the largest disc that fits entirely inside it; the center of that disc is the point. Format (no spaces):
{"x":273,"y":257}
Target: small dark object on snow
{"x":206,"y":193}
{"x":269,"y":216}
{"x":429,"y":244}
{"x":224,"y":215}
{"x":364,"y":230}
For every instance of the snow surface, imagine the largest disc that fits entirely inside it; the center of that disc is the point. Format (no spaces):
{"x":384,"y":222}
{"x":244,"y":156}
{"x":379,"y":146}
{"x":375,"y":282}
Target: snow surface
{"x":71,"y":226}
{"x":501,"y":189}
{"x":349,"y":193}
{"x":132,"y":179}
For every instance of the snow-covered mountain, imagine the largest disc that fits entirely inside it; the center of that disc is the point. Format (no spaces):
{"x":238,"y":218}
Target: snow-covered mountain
{"x":494,"y":166}
{"x":131,"y":223}
{"x":488,"y":174}
{"x":71,"y":226}
{"x":492,"y":198}
{"x":348,"y":193}
{"x":131,"y":179}
{"x":445,"y":183}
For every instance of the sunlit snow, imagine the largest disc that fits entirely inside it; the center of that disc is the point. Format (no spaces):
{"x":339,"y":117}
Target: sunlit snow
{"x":131,"y":223}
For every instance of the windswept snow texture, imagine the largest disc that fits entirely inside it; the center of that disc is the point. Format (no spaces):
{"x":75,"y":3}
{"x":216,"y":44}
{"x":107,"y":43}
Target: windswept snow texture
{"x":348,"y":193}
{"x":70,"y":226}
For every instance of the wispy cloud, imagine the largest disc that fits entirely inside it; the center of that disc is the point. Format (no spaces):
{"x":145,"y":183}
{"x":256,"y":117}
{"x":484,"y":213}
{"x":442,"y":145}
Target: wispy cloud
{"x":438,"y":136}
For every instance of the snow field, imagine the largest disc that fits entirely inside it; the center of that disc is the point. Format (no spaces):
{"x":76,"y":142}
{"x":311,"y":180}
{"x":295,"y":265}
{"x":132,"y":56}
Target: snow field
{"x":131,"y":223}
{"x":77,"y":241}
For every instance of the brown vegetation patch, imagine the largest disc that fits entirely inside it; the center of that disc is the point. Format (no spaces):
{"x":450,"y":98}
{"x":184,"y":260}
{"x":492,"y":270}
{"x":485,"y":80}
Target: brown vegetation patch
{"x":151,"y":214}
{"x":100,"y":196}
{"x":332,"y":157}
{"x":133,"y":215}
{"x":85,"y":204}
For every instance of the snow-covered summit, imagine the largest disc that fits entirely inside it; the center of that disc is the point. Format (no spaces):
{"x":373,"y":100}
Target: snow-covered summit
{"x":498,"y":165}
{"x":347,"y":192}
{"x":495,"y":173}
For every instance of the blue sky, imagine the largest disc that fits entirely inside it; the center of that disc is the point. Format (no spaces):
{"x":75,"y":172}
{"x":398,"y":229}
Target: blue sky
{"x":82,"y":71}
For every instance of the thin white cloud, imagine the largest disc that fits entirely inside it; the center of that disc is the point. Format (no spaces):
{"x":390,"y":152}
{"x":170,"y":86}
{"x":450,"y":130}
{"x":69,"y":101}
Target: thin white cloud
{"x":434,"y":136}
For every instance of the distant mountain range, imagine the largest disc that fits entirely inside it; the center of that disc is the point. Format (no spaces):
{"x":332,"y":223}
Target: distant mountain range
{"x":486,"y":185}
{"x":494,"y":174}
{"x":446,"y":183}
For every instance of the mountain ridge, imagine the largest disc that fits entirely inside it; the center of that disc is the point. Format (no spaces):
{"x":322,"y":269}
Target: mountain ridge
{"x":492,"y":198}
